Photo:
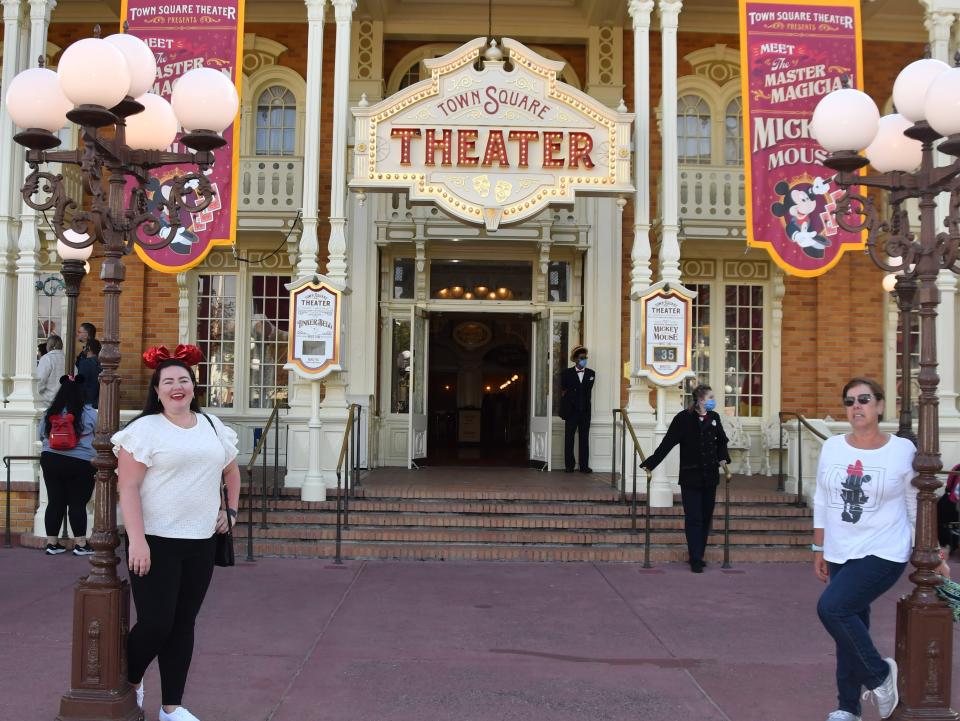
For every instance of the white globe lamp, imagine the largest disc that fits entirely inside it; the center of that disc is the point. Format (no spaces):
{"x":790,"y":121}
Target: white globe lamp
{"x":846,"y":121}
{"x":910,"y":87}
{"x":155,"y":127}
{"x":205,"y":102}
{"x":37,"y":104}
{"x":95,"y":77}
{"x":942,"y":109}
{"x":140,"y":62}
{"x":891,"y":149}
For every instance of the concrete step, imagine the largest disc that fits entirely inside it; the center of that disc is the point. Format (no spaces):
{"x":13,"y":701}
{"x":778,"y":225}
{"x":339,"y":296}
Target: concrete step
{"x":494,"y":552}
{"x":460,"y":536}
{"x":672,"y":521}
{"x":488,"y":507}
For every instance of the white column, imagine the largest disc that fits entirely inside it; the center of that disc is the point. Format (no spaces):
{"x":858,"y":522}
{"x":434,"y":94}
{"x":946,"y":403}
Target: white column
{"x":364,"y":310}
{"x":601,"y":322}
{"x":939,"y":26}
{"x":309,"y":242}
{"x":669,"y":244}
{"x":337,"y":246}
{"x":640,"y":273}
{"x":947,"y":345}
{"x":9,"y":170}
{"x":184,"y":281}
{"x":24,"y":394}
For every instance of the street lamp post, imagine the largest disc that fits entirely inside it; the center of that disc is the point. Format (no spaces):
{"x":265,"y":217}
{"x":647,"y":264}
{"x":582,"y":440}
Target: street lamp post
{"x":905,"y":292}
{"x":101,"y":85}
{"x":73,"y":269}
{"x":901,"y":148}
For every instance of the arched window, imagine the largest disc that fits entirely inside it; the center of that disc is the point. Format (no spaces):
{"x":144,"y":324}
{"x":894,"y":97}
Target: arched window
{"x":733,"y":133}
{"x":276,"y":122}
{"x":693,"y":130}
{"x":411,"y":77}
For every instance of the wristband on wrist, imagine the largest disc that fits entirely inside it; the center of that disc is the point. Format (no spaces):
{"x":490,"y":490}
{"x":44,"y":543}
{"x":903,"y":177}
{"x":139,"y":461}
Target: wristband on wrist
{"x":815,"y":548}
{"x":232,"y":513}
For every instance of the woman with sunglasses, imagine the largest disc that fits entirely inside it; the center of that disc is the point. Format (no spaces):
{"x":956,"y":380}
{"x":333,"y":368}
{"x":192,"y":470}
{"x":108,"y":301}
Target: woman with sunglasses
{"x":865,"y":510}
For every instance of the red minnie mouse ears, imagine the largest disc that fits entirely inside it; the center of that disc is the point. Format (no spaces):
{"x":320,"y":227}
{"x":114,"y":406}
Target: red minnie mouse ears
{"x":189,"y":354}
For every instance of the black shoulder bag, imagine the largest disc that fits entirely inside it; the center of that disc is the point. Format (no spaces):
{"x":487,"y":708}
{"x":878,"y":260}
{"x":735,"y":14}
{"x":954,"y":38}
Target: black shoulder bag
{"x":223,"y":555}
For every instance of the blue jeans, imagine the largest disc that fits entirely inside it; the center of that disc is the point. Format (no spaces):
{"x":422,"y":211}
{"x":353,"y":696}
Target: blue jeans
{"x":844,"y":610}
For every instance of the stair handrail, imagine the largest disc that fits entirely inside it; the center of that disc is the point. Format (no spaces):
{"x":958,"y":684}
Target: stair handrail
{"x":637,"y":451}
{"x":728,"y":476}
{"x":271,"y":420}
{"x":349,"y":449}
{"x":802,"y":423}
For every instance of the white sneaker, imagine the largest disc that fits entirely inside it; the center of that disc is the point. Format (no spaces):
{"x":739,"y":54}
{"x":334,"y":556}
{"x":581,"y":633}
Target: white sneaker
{"x":886,"y":696}
{"x":178,"y":714}
{"x":140,"y":695}
{"x":839,"y":715}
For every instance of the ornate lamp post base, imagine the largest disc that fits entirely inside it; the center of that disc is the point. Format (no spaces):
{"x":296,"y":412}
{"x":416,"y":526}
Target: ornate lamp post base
{"x":924,"y":660}
{"x":99,"y":690}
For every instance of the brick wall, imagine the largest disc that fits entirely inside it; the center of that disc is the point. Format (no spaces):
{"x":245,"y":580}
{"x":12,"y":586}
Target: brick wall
{"x":23,"y":504}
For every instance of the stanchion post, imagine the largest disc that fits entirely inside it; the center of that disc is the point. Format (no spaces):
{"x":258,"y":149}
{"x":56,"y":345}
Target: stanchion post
{"x":726,"y":518}
{"x":337,"y":560}
{"x":646,"y":539}
{"x":633,"y":507}
{"x":613,"y":455}
{"x":249,"y":514}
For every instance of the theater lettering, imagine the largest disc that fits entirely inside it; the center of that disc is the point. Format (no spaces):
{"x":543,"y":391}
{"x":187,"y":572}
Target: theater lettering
{"x":502,"y":149}
{"x":491,"y":143}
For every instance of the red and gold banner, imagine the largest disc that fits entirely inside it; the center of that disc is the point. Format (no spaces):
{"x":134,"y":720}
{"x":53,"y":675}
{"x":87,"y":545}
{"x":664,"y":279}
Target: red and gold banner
{"x":791,"y":55}
{"x":184,"y":36}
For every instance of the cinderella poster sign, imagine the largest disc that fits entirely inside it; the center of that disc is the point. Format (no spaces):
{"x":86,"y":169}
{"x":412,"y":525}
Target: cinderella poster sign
{"x":791,"y":55}
{"x":185,"y":36}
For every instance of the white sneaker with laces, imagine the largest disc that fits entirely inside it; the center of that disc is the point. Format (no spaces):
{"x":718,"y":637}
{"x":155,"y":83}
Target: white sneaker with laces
{"x":178,"y":714}
{"x":886,"y":696}
{"x":839,"y":715}
{"x":140,"y":695}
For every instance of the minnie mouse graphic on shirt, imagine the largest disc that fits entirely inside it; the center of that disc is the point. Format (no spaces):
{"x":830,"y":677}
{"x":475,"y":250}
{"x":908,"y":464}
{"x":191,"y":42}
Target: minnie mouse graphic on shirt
{"x":801,"y":210}
{"x":852,"y":494}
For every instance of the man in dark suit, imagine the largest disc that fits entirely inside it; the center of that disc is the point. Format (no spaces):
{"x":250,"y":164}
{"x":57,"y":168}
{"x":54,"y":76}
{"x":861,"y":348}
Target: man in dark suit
{"x":576,"y":386}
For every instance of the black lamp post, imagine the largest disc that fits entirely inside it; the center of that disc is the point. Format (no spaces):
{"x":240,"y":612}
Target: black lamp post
{"x":95,"y":86}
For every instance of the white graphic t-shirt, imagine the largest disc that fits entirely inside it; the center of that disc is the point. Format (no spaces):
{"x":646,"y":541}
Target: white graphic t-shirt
{"x":865,"y":501}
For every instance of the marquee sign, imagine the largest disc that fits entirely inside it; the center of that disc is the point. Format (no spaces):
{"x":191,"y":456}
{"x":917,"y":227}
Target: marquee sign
{"x":313,"y":349}
{"x":492,"y":145}
{"x":665,"y":323}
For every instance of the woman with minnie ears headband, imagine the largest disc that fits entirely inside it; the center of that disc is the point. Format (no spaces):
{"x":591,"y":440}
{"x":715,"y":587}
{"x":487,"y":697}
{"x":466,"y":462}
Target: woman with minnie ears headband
{"x":170,"y":462}
{"x":67,"y":472}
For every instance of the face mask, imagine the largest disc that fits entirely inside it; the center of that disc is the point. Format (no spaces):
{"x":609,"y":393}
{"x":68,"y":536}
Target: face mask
{"x":710,"y":404}
{"x":582,"y":363}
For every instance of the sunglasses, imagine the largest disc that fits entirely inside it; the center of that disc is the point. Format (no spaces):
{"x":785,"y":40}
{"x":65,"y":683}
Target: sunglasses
{"x":862,"y":399}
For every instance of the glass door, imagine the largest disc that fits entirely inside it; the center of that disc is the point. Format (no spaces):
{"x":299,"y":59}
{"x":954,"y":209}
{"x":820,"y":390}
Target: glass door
{"x":541,"y":375}
{"x":419,"y":333}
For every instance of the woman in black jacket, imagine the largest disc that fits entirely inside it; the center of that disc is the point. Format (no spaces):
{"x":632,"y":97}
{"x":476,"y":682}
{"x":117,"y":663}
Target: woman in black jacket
{"x":703,"y":449}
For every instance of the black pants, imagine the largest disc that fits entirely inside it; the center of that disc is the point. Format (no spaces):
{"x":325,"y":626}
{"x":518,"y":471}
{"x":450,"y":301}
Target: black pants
{"x":168,"y":600}
{"x":69,"y":483}
{"x":698,"y":515}
{"x":577,"y":423}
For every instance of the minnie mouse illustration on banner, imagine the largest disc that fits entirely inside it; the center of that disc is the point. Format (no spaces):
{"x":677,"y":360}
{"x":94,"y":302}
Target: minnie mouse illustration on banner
{"x":802,"y":209}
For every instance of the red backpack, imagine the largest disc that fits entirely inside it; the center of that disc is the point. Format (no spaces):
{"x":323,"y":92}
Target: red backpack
{"x":63,"y":436}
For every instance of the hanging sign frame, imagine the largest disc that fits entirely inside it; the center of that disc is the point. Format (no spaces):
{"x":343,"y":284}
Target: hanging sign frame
{"x":314,"y":342}
{"x":666,"y":325}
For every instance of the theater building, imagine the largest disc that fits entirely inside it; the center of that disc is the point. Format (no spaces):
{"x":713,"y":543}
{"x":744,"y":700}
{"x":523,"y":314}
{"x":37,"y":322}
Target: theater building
{"x":462,"y":303}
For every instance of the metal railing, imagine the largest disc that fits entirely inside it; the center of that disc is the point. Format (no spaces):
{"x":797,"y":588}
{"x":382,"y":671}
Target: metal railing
{"x":349,"y":476}
{"x":627,"y":427}
{"x":802,"y":423}
{"x":261,"y":450}
{"x":726,"y":516}
{"x":7,"y":536}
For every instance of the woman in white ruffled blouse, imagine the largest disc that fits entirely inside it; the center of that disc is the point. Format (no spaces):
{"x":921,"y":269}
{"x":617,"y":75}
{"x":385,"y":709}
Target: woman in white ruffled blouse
{"x":170,"y":461}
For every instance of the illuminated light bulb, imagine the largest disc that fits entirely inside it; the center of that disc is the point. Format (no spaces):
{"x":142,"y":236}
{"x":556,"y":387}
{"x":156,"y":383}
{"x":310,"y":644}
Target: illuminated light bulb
{"x":456,"y":292}
{"x":468,"y":295}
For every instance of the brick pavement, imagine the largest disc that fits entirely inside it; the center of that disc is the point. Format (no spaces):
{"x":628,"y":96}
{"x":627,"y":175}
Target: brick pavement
{"x":298,"y":640}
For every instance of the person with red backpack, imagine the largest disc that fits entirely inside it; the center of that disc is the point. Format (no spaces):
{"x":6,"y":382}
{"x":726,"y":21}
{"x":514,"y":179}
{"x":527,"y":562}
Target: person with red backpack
{"x":66,"y":430}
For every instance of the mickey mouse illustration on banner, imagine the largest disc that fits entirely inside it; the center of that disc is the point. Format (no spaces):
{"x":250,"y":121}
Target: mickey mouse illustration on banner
{"x":802,"y":207}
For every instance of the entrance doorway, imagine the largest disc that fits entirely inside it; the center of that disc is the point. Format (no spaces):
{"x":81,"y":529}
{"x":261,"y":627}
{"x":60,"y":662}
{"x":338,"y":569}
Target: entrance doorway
{"x":478,"y":378}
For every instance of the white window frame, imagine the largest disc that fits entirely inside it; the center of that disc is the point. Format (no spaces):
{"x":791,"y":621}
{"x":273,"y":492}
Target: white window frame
{"x":220,"y":263}
{"x":718,"y":281}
